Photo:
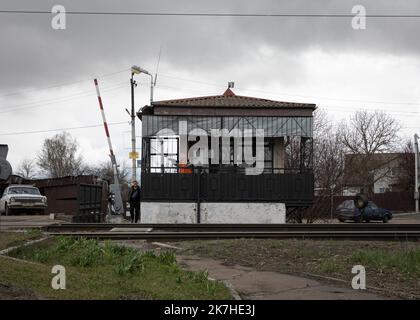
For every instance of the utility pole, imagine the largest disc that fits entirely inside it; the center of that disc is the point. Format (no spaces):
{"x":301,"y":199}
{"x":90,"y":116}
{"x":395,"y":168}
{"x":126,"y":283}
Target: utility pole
{"x":134,"y":154}
{"x":133,"y":131}
{"x":416,"y":171}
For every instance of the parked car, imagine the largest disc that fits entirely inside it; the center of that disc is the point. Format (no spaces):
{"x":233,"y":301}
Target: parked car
{"x":22,"y":198}
{"x":348,"y":211}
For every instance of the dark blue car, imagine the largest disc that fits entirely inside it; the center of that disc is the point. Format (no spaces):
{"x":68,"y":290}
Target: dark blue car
{"x":348,"y":211}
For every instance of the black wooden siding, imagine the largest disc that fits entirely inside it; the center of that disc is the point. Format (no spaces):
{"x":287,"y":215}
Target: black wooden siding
{"x":292,"y":189}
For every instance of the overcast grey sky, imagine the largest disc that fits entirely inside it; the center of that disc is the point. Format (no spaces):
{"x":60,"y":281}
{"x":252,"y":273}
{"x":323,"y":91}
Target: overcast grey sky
{"x":318,"y":60}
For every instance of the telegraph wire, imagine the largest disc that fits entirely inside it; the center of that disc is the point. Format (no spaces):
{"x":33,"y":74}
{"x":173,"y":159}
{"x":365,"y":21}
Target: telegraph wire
{"x":291,"y":94}
{"x":80,"y":95}
{"x":41,"y":104}
{"x":353,"y":109}
{"x":61,"y":129}
{"x":120,"y":85}
{"x":223,"y":86}
{"x":214,"y":14}
{"x":62,"y":84}
{"x":58,"y":98}
{"x":327,"y":107}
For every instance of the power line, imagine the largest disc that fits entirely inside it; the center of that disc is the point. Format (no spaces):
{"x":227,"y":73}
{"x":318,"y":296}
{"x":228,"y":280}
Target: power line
{"x":352,"y":109}
{"x":88,"y":94}
{"x":329,"y":107}
{"x":221,"y":86}
{"x":215,"y":14}
{"x":40,"y":104}
{"x":59,"y":98}
{"x":294,"y":95}
{"x":62,"y":84}
{"x":122,"y":84}
{"x":60,"y":129}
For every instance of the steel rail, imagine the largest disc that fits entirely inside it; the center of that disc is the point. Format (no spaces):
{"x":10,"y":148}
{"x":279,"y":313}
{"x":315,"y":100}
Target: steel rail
{"x":184,"y":235}
{"x":233,"y":227}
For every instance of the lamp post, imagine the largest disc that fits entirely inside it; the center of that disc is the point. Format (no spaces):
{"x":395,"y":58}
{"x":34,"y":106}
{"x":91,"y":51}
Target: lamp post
{"x":136,"y":70}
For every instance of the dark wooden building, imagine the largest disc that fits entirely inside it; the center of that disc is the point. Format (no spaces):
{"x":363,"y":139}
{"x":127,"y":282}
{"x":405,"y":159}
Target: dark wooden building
{"x":219,"y":188}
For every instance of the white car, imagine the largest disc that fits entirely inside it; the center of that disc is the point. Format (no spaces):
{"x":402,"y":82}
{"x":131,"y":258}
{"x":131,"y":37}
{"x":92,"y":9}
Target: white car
{"x":22,"y":198}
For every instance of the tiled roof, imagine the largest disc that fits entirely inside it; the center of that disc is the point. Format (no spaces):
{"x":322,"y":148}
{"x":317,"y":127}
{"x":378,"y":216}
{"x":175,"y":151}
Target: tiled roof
{"x":229,"y":99}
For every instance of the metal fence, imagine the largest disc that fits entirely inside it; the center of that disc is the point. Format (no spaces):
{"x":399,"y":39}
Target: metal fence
{"x":227,"y":185}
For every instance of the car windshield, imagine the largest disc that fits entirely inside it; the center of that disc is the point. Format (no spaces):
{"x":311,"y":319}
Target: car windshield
{"x":24,"y":190}
{"x":372,"y":205}
{"x":348,"y":204}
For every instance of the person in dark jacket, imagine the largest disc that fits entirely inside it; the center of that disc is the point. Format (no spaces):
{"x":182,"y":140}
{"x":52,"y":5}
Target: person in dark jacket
{"x":134,"y":200}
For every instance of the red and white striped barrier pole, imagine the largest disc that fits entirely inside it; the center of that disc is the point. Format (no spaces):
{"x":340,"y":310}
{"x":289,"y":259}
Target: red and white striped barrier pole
{"x":118,"y":205}
{"x":104,"y":120}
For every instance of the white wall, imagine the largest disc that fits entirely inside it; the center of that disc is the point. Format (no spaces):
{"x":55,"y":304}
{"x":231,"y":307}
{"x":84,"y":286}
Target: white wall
{"x":213,"y":212}
{"x":384,"y":179}
{"x":168,"y":212}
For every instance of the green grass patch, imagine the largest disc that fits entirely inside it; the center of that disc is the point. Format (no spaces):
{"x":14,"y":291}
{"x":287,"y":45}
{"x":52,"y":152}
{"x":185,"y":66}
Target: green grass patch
{"x":107,"y":271}
{"x":406,"y":262}
{"x":330,"y":267}
{"x":392,"y":265}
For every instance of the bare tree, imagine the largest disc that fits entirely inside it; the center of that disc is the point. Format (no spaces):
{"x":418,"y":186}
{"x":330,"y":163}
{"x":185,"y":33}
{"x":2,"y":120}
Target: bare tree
{"x":58,"y":156}
{"x":328,"y":167}
{"x":328,"y":155}
{"x":104,"y":170}
{"x":370,"y":132}
{"x":322,"y":124}
{"x":322,"y":129}
{"x":405,"y":179}
{"x":329,"y":163}
{"x":367,"y":138}
{"x":27,"y":169}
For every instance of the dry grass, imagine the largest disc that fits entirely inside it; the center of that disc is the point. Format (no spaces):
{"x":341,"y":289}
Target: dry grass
{"x":393,"y":266}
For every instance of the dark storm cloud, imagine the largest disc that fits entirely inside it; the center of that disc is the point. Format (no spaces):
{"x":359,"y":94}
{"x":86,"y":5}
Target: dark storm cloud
{"x":34,"y":55}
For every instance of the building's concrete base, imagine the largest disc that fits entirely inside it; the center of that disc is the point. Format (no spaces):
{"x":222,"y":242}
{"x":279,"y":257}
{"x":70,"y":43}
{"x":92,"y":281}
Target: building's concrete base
{"x":213,"y":212}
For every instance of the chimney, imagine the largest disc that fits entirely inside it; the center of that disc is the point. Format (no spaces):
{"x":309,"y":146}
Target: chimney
{"x":228,"y":92}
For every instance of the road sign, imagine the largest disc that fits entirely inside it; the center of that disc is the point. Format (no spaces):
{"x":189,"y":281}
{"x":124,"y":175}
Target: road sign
{"x":133,"y":155}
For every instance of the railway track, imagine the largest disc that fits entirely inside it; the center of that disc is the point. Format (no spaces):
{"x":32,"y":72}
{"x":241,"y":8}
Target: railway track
{"x":228,"y":231}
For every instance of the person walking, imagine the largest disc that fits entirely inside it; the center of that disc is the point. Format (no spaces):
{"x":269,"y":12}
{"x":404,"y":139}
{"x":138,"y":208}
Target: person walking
{"x":134,"y":199}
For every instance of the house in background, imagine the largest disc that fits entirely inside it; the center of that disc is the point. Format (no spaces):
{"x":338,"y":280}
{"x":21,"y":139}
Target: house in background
{"x":378,"y":173}
{"x":176,"y":191}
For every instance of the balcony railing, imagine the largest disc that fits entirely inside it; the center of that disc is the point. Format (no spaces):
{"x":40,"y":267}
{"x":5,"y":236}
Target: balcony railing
{"x":227,"y":184}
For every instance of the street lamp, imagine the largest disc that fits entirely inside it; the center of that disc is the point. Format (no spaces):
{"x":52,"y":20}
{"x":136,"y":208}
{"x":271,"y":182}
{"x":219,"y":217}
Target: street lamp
{"x":136,"y":70}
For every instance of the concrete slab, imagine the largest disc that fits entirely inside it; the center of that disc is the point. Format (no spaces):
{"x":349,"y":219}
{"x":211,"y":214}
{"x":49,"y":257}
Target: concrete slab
{"x":252,"y":284}
{"x":24,"y":222}
{"x":133,"y":230}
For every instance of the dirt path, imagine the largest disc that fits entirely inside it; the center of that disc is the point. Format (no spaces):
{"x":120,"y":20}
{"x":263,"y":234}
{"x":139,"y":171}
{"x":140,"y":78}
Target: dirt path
{"x":253,"y":285}
{"x":265,"y":285}
{"x":8,"y":292}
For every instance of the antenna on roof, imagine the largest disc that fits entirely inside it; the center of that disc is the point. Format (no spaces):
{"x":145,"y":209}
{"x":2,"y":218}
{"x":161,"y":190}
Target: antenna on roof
{"x":157,"y":65}
{"x":231,"y":84}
